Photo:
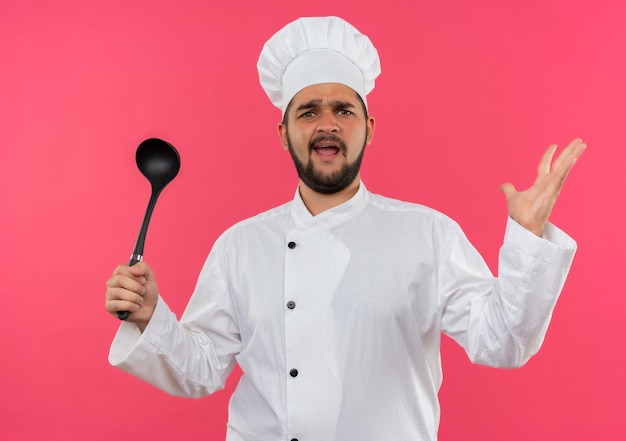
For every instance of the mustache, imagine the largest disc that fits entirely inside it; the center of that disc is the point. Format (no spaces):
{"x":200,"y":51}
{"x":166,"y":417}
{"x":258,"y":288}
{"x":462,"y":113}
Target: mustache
{"x":328,"y":137}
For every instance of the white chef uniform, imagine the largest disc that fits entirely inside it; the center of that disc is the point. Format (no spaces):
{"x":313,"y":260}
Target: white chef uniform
{"x":335,"y":320}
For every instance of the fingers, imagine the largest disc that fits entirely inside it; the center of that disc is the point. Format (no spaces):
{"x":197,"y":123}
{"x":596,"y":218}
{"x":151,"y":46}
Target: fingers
{"x":575,"y":148}
{"x":566,"y":160}
{"x":115,"y":306}
{"x":572,"y":152}
{"x":508,"y":189}
{"x":126,"y":288}
{"x":569,"y":155}
{"x":545,"y":164}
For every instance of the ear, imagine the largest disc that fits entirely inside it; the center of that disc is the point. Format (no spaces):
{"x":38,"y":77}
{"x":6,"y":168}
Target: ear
{"x":282,"y":134}
{"x":371,"y":124}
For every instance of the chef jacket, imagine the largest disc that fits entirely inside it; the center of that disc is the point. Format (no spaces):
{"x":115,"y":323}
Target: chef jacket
{"x":335,"y":320}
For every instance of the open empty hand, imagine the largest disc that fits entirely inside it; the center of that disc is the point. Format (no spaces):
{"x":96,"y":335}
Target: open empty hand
{"x":531,"y":208}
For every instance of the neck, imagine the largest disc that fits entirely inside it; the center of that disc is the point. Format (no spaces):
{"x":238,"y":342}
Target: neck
{"x":317,"y":203}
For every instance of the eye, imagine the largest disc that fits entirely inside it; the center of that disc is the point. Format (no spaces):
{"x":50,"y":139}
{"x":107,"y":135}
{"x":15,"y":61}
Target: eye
{"x":307,"y":114}
{"x":344,"y":112}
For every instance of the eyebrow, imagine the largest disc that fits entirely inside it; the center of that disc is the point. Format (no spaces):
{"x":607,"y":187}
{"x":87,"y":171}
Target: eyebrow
{"x":336,"y":104}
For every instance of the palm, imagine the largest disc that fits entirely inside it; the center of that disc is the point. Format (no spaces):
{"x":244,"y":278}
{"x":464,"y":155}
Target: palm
{"x":531,"y":208}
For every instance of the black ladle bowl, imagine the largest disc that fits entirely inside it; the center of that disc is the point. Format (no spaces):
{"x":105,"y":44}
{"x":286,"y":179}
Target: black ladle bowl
{"x":159,"y":162}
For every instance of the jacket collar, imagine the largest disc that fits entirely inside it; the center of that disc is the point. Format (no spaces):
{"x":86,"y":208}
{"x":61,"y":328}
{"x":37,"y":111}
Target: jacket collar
{"x":302,"y":218}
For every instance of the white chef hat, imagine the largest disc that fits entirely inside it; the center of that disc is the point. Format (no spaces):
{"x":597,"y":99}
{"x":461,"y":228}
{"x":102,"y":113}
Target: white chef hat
{"x":315,"y":50}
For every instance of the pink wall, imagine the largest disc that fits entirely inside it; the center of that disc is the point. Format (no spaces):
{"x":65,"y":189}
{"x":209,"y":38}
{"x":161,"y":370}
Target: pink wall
{"x":470,"y":96}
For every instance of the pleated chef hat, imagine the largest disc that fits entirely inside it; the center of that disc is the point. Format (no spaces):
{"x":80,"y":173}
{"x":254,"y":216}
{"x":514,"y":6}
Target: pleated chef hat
{"x":315,"y":50}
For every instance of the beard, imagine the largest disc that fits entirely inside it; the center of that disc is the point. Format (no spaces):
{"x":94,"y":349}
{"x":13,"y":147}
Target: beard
{"x":323,"y":183}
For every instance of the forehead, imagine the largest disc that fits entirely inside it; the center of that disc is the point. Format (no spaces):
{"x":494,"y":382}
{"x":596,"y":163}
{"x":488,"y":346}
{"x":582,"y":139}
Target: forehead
{"x":326,"y":92}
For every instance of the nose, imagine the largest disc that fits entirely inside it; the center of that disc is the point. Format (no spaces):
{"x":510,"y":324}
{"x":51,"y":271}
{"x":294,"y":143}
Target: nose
{"x":327,"y":122}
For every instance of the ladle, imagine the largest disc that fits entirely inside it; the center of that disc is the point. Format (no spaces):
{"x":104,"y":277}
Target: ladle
{"x":159,"y":162}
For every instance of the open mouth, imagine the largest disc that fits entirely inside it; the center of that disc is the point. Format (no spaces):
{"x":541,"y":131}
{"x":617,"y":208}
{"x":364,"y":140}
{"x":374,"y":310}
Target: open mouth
{"x":326,"y":151}
{"x":327,"y":146}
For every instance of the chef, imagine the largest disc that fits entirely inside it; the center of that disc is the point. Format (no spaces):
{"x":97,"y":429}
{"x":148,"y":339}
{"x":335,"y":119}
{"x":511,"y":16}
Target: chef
{"x":334,"y":303}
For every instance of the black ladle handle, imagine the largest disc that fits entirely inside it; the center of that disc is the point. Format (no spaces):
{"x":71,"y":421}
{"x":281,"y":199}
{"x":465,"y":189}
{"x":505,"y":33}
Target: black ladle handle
{"x":137,"y":255}
{"x":123,"y":315}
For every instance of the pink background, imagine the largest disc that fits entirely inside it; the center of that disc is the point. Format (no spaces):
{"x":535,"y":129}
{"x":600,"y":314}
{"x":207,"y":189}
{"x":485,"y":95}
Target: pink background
{"x":470,"y":96}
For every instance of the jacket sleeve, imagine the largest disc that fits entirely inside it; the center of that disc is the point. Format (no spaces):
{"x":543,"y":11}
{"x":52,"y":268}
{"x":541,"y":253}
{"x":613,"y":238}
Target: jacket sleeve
{"x":190,"y":358}
{"x":501,"y":322}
